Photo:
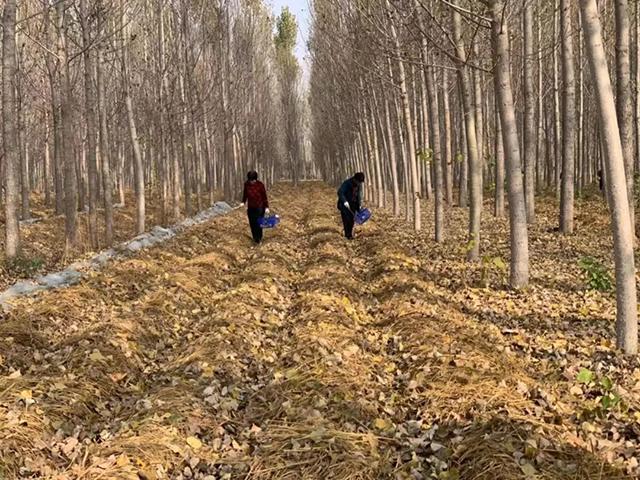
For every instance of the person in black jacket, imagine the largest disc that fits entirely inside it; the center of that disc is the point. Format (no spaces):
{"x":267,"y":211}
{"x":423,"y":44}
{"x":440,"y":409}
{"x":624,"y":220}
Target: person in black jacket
{"x":350,"y":196}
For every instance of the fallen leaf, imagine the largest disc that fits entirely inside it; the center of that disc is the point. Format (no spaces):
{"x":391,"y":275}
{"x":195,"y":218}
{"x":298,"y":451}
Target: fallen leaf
{"x":194,"y":443}
{"x":69,"y":445}
{"x":117,"y":377}
{"x":26,"y":395}
{"x":585,"y":376}
{"x":382,"y":424}
{"x":96,"y":356}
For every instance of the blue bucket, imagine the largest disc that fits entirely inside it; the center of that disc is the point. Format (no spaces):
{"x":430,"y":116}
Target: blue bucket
{"x":363,"y":216}
{"x":269,"y":222}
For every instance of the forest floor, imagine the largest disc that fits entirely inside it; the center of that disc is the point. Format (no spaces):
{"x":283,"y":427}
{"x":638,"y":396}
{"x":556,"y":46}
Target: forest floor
{"x":43,"y":240}
{"x":311,"y":357}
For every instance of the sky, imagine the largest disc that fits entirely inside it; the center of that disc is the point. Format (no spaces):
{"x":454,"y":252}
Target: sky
{"x":300,"y":8}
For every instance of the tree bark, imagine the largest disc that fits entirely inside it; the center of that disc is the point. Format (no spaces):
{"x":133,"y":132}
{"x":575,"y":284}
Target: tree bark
{"x":530,"y":142}
{"x":499,"y":149}
{"x":517,"y":210}
{"x":105,"y":154}
{"x":406,"y":109}
{"x":376,"y":150}
{"x":67,"y":136}
{"x":558,"y":132}
{"x":47,"y":163}
{"x":541,"y":98}
{"x":475,"y":168}
{"x":22,"y":144}
{"x":434,"y":133}
{"x":10,"y":131}
{"x":476,"y":74}
{"x":448,"y":150}
{"x":626,"y":299}
{"x":624,"y":106}
{"x":637,"y":79}
{"x":138,"y":167}
{"x":568,"y":119}
{"x":90,"y":117}
{"x":393,"y":159}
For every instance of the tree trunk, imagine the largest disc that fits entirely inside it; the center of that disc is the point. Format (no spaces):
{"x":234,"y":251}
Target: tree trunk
{"x":47,"y":163}
{"x":530,"y":142}
{"x":448,"y":153}
{"x":393,"y":159}
{"x":186,"y":186}
{"x":138,"y":167}
{"x":462,"y":160}
{"x":637,"y":72}
{"x":376,"y":150}
{"x":90,"y":117}
{"x":10,"y":131}
{"x":434,"y":132}
{"x":475,"y":168}
{"x":626,"y":300}
{"x":105,"y":154}
{"x":499,"y":149}
{"x":434,"y":111}
{"x":517,"y":210}
{"x":541,"y":97}
{"x":580,"y":133}
{"x":624,"y":106}
{"x":568,"y":119}
{"x":67,"y":136}
{"x":557,"y":150}
{"x":404,"y":96}
{"x":477,"y":96}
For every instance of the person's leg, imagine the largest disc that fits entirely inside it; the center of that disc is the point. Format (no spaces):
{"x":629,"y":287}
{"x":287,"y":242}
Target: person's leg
{"x":350,"y":227}
{"x":347,"y":222}
{"x":253,"y":223}
{"x":259,"y":231}
{"x":343,"y":215}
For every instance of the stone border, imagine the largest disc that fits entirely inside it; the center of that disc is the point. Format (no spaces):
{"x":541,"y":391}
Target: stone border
{"x":77,"y":270}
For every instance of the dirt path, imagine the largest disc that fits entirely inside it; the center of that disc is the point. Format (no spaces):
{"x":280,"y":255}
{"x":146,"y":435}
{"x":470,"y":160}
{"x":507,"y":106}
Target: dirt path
{"x":306,"y":358}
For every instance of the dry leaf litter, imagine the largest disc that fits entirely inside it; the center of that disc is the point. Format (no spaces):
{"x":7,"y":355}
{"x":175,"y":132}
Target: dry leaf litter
{"x":311,"y":357}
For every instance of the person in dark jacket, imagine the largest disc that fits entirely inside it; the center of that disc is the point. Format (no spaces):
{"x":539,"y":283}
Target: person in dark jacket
{"x":350,"y":196}
{"x":255,"y":198}
{"x":601,"y":181}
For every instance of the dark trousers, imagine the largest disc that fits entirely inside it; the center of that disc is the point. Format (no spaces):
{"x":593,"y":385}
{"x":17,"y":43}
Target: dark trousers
{"x":256,"y":231}
{"x":348,"y":220}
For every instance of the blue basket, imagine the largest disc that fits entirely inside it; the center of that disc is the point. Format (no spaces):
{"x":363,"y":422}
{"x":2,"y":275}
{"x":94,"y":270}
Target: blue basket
{"x":363,"y":216}
{"x":269,"y":222}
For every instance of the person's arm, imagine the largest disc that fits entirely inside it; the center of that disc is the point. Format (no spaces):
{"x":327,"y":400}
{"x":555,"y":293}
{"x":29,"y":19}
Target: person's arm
{"x":342,"y":193}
